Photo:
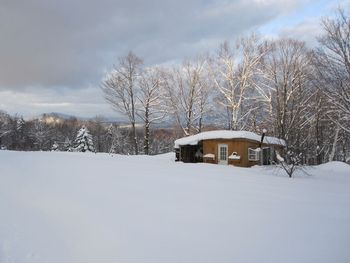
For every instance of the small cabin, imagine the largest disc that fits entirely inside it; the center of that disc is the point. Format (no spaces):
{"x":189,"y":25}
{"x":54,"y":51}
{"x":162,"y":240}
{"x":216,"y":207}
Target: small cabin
{"x":239,"y":148}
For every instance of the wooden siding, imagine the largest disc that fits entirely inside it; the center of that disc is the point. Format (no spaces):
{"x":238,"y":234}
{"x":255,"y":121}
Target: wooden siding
{"x":234,"y":145}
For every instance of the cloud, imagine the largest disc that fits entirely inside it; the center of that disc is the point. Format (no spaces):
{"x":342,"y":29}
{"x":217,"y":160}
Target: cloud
{"x":70,"y":42}
{"x":53,"y":54}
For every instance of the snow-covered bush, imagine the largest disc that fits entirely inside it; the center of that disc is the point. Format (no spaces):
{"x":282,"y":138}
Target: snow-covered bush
{"x":290,"y":162}
{"x":54,"y":147}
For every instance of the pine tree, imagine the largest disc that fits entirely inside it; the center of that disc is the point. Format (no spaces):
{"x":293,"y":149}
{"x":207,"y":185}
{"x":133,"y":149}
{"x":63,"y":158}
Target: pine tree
{"x":20,"y":133}
{"x":67,"y":145}
{"x":20,"y":124}
{"x":83,"y":142}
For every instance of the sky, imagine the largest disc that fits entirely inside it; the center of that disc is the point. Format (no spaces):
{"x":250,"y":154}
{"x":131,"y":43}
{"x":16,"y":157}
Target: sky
{"x":54,"y":54}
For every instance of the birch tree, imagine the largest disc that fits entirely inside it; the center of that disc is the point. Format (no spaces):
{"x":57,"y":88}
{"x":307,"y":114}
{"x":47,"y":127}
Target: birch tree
{"x":150,"y":97}
{"x":232,"y":72}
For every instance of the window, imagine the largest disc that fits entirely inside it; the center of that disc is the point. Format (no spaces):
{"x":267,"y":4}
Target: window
{"x":253,"y":154}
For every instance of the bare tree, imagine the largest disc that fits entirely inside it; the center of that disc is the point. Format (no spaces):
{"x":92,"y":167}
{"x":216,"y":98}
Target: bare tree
{"x":291,"y":163}
{"x":183,"y":86}
{"x":204,"y":99}
{"x":318,"y":134}
{"x":150,"y":98}
{"x":41,"y":134}
{"x":120,"y":89}
{"x":232,"y":72}
{"x":286,"y":89}
{"x":332,"y":61}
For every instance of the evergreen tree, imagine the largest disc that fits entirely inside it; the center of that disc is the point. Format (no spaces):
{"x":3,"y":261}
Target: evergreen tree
{"x":83,"y":142}
{"x":67,"y":145}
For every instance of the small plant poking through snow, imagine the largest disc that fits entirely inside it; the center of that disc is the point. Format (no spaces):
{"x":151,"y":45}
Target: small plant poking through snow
{"x":83,"y":142}
{"x":290,"y":162}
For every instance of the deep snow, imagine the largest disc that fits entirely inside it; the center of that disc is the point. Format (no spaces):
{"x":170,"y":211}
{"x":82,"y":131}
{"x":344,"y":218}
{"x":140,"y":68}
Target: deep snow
{"x":76,"y":207}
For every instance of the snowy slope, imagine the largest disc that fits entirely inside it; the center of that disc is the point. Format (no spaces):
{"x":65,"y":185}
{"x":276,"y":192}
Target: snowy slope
{"x":81,"y":208}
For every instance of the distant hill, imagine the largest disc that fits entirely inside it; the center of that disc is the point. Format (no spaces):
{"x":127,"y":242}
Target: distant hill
{"x":56,"y":116}
{"x":60,"y":115}
{"x":63,"y":116}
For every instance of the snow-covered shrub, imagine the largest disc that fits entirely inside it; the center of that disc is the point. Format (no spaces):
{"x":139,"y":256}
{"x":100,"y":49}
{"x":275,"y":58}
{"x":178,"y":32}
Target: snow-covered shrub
{"x":290,"y":162}
{"x":54,"y":147}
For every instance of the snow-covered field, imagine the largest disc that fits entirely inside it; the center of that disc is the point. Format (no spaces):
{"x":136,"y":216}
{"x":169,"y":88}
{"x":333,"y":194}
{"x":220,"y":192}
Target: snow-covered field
{"x":81,"y":208}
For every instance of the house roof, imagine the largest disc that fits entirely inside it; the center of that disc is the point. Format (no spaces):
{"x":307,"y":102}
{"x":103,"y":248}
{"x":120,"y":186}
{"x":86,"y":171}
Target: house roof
{"x":223,"y":134}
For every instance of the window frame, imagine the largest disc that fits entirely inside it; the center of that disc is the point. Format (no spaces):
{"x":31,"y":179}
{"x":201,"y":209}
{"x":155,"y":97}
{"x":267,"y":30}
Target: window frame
{"x":251,"y":152}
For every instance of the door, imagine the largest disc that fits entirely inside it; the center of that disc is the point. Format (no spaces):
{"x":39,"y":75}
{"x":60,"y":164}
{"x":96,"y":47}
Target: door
{"x":223,"y":154}
{"x":266,"y":156}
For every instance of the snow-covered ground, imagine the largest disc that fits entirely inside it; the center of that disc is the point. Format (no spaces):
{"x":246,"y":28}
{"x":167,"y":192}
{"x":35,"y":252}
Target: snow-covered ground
{"x":81,"y":208}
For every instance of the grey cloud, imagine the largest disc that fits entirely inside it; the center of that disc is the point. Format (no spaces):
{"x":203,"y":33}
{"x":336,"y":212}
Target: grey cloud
{"x":69,"y":43}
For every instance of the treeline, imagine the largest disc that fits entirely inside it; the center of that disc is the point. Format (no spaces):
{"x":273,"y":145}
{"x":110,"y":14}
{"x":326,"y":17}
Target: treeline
{"x":299,"y":94}
{"x":52,"y":133}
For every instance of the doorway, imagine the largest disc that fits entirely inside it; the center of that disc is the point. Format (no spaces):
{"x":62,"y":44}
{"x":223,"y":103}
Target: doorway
{"x":266,"y":156}
{"x":223,"y":154}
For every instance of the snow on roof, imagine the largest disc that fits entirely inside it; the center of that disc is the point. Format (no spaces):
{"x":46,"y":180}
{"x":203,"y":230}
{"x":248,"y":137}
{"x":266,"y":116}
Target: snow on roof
{"x":222,"y":134}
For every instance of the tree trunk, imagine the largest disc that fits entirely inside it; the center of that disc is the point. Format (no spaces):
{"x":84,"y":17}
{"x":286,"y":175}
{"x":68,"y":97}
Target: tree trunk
{"x":200,"y":124}
{"x":146,"y":136}
{"x":134,"y":138}
{"x":334,"y":146}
